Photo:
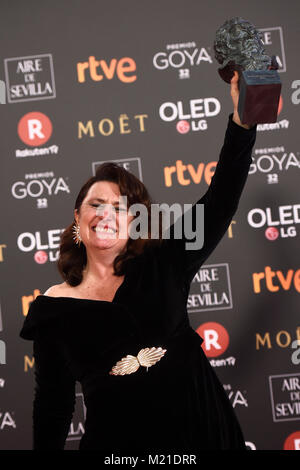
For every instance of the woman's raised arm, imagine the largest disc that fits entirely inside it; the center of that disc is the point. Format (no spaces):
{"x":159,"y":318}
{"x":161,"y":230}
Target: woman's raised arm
{"x":220,"y":200}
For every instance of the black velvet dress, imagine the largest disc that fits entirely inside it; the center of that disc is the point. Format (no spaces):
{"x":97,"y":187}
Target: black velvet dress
{"x":177,"y":404}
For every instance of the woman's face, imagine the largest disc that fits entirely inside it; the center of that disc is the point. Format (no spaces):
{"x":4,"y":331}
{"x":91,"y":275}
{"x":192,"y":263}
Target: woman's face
{"x":103,"y":217}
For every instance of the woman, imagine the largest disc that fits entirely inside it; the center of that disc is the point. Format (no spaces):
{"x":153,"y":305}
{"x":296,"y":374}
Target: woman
{"x":121,"y":296}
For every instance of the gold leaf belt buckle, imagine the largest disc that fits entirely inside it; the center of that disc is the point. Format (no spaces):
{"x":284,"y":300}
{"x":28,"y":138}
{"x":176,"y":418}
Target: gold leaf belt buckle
{"x":146,"y":357}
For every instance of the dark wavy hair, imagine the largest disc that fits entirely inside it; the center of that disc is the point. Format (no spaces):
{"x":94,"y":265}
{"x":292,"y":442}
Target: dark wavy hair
{"x":72,"y":257}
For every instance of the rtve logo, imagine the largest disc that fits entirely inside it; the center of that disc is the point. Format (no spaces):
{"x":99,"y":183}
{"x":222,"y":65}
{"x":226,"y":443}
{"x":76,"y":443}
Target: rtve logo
{"x":185,"y":174}
{"x":34,"y":129}
{"x":27,"y":299}
{"x":99,"y":69}
{"x":283,"y":281}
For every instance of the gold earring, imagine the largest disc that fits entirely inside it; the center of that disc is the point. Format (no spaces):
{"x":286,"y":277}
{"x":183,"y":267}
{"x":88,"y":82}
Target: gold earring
{"x":76,"y":234}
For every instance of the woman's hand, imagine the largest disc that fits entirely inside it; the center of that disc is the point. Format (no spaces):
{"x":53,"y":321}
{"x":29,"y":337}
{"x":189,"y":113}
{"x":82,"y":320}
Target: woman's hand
{"x":234,"y":91}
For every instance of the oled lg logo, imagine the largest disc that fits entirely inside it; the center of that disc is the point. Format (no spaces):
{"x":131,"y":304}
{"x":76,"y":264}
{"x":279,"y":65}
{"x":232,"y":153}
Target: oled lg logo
{"x":191,"y":115}
{"x":282,"y":224}
{"x":43,"y":252}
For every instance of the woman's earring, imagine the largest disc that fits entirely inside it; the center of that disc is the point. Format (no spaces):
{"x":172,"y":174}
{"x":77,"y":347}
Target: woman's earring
{"x":76,"y":234}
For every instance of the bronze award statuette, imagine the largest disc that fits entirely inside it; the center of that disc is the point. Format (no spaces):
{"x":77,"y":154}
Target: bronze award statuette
{"x":238,"y":46}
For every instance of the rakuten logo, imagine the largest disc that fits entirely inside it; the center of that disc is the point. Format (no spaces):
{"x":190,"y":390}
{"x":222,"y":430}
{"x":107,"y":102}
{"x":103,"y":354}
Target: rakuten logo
{"x":35,"y":129}
{"x":215,"y":338}
{"x":292,"y":442}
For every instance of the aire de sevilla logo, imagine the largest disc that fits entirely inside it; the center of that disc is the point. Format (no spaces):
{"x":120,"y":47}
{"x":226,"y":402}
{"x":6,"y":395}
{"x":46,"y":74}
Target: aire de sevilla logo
{"x":35,"y":128}
{"x":215,"y":338}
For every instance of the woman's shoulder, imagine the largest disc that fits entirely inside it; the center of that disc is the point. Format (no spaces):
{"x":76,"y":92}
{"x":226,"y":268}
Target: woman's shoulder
{"x":41,"y":312}
{"x":58,"y":290}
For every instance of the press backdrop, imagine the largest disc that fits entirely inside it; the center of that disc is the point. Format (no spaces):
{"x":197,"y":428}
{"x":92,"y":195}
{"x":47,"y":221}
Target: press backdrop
{"x":136,"y":82}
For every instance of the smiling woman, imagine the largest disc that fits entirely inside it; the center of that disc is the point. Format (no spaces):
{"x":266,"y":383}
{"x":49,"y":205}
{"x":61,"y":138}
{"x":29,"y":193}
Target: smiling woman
{"x":94,"y":216}
{"x":108,"y":219}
